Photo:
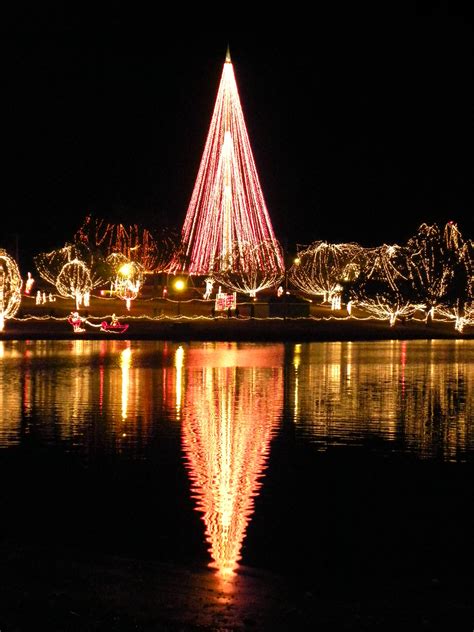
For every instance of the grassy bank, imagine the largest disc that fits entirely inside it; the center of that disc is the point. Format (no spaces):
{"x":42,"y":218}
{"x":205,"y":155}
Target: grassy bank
{"x":191,"y":320}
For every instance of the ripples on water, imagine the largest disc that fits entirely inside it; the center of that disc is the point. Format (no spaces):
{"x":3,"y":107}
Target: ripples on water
{"x":232,"y":405}
{"x":415,"y":396}
{"x":219,"y":405}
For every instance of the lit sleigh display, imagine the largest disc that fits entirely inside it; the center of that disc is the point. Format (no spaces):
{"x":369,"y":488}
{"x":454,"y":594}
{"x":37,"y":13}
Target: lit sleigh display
{"x":114,"y":327}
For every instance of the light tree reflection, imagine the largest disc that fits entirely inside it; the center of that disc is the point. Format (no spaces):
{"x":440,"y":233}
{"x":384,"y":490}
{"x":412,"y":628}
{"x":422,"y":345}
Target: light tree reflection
{"x":234,"y":400}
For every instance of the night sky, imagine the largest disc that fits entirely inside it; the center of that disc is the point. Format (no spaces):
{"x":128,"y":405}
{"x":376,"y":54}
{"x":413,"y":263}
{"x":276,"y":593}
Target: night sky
{"x":360,"y":122}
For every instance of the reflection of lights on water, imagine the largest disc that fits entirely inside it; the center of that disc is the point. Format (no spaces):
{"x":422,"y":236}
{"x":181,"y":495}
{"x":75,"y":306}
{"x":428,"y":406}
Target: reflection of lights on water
{"x":403,"y":361}
{"x":334,"y":362}
{"x":78,"y":347}
{"x":296,"y":364}
{"x":402,"y":391}
{"x":101,"y":387}
{"x":349,"y":363}
{"x":2,"y":349}
{"x":227,"y":425}
{"x":125,"y":362}
{"x":178,"y":363}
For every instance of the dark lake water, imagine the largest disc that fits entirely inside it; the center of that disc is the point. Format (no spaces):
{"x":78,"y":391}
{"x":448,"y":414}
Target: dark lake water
{"x":333,"y":462}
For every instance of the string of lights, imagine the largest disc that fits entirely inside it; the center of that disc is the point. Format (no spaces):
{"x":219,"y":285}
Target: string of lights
{"x":242,"y":269}
{"x":133,"y":242}
{"x":227,"y":212}
{"x":10,"y":288}
{"x":71,"y":270}
{"x":432,"y":273}
{"x":319,"y":268}
{"x":127,"y":277}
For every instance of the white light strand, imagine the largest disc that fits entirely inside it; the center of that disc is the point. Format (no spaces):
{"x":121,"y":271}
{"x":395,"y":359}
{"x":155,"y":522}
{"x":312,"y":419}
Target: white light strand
{"x":249,"y":268}
{"x":320,"y":268}
{"x":10,"y":288}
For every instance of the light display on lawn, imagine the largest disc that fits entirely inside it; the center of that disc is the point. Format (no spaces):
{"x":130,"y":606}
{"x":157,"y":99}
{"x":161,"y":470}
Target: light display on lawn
{"x":10,"y":288}
{"x":457,"y":300}
{"x":383,"y":288}
{"x":227,"y":211}
{"x":441,"y":270}
{"x":249,"y":268}
{"x":74,"y":281}
{"x":127,"y":278}
{"x":434,"y":257}
{"x":133,"y":242}
{"x":71,"y":270}
{"x":461,"y":314}
{"x":321,"y":267}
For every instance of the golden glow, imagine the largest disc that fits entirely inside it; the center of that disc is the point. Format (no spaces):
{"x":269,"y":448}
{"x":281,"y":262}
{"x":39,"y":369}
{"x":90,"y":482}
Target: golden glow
{"x":178,"y":363}
{"x":341,"y":392}
{"x":127,"y":277}
{"x":296,"y":364}
{"x":230,"y":413}
{"x":65,"y":380}
{"x":179,"y":285}
{"x":125,"y":363}
{"x":126,"y":270}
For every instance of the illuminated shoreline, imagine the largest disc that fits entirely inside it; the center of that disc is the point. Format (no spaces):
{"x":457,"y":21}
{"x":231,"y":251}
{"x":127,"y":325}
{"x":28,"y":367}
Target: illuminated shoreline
{"x":238,"y":329}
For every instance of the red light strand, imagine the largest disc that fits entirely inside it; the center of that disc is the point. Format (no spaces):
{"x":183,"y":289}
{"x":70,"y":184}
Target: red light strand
{"x":227,"y":208}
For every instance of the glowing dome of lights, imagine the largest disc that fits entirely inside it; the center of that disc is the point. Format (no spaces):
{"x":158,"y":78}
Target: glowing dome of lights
{"x":10,"y":287}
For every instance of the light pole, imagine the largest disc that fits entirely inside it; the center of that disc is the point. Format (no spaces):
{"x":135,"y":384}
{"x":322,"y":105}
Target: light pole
{"x":294,"y":261}
{"x":179,"y":287}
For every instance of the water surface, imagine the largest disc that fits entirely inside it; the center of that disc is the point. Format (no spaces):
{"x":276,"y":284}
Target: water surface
{"x":315,"y":459}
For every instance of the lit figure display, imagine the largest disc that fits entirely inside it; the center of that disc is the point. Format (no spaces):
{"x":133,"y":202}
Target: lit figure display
{"x":76,"y":321}
{"x":115,"y":326}
{"x":209,"y":286}
{"x":227,"y":209}
{"x":29,"y":283}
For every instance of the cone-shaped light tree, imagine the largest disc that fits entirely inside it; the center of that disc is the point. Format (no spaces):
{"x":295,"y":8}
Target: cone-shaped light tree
{"x":227,"y":209}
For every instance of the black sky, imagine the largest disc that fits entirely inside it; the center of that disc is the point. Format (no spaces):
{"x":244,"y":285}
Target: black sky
{"x":360,"y":122}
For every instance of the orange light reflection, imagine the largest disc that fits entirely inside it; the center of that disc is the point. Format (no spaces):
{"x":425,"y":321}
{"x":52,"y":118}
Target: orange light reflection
{"x":232,"y":407}
{"x":125,"y":362}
